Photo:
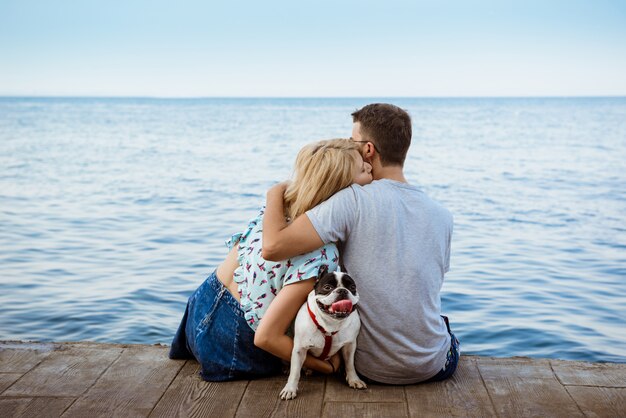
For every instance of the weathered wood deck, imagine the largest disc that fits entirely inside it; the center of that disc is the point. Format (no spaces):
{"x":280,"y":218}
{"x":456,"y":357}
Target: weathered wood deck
{"x":92,"y":380}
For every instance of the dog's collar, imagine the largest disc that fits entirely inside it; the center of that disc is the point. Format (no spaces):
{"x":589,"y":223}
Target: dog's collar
{"x":328,"y":336}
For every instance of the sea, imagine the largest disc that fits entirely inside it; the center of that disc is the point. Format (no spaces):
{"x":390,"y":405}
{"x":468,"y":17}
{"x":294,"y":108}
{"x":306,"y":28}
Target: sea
{"x":113,"y":210}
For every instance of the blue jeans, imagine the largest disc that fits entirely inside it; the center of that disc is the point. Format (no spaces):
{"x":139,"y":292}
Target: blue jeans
{"x":452,"y":359}
{"x":214,"y":332}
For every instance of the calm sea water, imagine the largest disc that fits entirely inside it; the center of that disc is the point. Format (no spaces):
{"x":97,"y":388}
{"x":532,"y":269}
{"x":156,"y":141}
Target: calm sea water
{"x":112,"y":211}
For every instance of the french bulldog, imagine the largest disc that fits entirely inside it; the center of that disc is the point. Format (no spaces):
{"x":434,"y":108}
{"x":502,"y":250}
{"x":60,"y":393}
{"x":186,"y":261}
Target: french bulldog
{"x":326,"y":323}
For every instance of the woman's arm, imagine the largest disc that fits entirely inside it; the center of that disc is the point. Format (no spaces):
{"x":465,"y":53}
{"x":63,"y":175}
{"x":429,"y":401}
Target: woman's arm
{"x":270,"y":335}
{"x":282,"y":241}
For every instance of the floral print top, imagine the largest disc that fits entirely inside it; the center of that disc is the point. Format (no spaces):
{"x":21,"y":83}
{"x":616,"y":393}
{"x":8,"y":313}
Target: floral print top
{"x":260,"y":280}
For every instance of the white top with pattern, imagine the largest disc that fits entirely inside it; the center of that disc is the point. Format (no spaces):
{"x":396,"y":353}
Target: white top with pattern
{"x":259,"y":280}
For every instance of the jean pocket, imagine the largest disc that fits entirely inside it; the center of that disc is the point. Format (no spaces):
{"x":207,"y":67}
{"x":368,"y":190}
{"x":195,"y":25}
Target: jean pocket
{"x":206,"y":320}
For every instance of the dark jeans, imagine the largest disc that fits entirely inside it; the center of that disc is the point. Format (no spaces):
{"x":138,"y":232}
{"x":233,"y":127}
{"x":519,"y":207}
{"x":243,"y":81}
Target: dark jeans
{"x":214,"y":332}
{"x":452,"y":359}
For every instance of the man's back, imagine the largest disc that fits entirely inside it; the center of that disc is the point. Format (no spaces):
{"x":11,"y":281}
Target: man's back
{"x":396,"y":244}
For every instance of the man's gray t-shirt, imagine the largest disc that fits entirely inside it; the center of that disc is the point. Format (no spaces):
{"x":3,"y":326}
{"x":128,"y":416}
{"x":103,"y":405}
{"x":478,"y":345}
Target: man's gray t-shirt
{"x":396,"y":245}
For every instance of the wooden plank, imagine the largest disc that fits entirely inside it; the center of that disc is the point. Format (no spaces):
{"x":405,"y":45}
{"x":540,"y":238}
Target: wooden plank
{"x":7,"y":379}
{"x":131,"y":386}
{"x":364,"y":409}
{"x":599,"y":402}
{"x":590,"y":374}
{"x":525,"y":387}
{"x":140,"y":377}
{"x":68,"y":372}
{"x":33,"y":407}
{"x":17,"y":357}
{"x":190,"y":396}
{"x":261,"y":398}
{"x":337,"y":390}
{"x":463,"y":395}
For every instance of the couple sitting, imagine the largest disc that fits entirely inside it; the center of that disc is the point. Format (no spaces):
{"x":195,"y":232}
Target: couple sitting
{"x":393,"y":240}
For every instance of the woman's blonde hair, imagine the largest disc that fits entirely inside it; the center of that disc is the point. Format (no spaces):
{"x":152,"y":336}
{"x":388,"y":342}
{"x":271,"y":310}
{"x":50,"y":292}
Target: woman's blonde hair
{"x":322,"y":169}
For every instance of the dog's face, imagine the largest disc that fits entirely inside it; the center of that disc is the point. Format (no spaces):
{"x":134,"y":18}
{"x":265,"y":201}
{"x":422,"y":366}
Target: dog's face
{"x":335,"y":293}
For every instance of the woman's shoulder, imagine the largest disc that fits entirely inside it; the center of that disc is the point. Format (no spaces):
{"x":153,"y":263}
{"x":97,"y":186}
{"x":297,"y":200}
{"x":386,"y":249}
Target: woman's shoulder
{"x":326,"y":255}
{"x":253,"y":224}
{"x":330,"y":248}
{"x":306,"y":266}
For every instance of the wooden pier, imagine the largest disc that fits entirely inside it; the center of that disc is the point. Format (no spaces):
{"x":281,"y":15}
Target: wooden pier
{"x":89,"y":380}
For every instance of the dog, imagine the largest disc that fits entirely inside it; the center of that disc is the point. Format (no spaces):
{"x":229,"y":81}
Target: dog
{"x":326,"y":323}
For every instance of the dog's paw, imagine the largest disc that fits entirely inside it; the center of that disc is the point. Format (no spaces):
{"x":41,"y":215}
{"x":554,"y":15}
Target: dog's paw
{"x":289,"y":392}
{"x":356,"y":383}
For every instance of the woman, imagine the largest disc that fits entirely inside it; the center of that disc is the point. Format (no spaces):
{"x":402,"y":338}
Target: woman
{"x":235,"y":322}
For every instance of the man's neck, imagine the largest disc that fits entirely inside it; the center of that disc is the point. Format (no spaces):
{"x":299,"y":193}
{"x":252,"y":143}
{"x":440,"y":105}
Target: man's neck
{"x":392,"y":172}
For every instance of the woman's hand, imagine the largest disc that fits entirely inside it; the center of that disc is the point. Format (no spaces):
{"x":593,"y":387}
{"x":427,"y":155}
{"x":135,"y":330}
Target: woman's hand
{"x":335,"y":360}
{"x":278,"y":189}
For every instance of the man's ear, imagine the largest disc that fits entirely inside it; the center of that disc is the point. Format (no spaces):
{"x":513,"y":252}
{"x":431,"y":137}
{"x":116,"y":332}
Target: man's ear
{"x":322,"y":272}
{"x":369,"y":151}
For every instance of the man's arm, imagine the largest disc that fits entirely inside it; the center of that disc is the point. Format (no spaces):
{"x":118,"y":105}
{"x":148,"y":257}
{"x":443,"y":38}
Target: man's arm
{"x":280,"y":240}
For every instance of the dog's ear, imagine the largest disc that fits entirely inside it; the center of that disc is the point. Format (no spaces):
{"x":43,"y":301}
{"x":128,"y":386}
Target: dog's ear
{"x":322,"y":272}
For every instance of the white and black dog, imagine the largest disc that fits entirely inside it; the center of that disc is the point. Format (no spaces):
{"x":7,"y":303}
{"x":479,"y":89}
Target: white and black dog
{"x":326,"y":323}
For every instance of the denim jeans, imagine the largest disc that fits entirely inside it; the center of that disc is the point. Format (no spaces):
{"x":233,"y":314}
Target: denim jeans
{"x":214,"y":332}
{"x":452,"y":359}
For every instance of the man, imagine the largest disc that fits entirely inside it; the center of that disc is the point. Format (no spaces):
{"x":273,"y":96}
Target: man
{"x":395,"y":243}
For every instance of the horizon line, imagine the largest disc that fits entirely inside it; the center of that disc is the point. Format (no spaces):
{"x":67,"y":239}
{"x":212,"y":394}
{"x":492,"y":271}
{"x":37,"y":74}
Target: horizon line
{"x":305,"y":97}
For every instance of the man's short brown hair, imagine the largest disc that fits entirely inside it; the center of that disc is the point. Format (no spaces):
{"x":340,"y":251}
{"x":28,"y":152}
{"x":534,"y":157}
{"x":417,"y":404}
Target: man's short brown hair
{"x":389,"y":128}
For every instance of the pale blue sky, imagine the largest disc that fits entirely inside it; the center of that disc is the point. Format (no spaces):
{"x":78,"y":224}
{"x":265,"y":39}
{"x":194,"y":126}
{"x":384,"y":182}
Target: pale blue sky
{"x":305,"y":48}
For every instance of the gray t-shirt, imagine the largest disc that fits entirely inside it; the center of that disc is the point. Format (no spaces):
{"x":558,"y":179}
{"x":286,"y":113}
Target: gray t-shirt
{"x":396,"y":245}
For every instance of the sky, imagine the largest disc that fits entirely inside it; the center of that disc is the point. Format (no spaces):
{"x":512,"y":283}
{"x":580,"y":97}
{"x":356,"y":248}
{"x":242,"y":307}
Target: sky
{"x":338,"y":48}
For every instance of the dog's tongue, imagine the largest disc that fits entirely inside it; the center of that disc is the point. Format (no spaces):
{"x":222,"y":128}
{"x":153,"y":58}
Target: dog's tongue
{"x":342,"y":306}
